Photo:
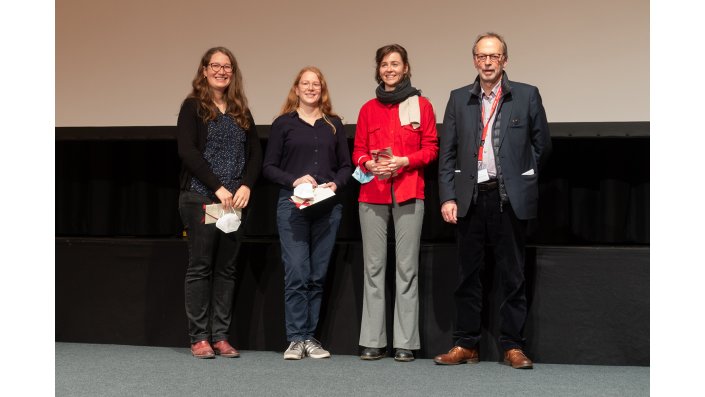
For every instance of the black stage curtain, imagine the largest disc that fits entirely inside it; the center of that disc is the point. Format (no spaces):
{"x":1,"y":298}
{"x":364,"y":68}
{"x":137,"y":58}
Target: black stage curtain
{"x":593,"y":191}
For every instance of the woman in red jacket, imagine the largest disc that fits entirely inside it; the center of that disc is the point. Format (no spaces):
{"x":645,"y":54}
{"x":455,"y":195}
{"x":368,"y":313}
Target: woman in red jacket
{"x":395,"y":139}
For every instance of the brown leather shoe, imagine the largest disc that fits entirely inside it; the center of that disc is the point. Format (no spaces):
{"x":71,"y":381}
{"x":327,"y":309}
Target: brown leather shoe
{"x":223,"y":348}
{"x":517,"y":359}
{"x":458,"y":355}
{"x":202,"y":349}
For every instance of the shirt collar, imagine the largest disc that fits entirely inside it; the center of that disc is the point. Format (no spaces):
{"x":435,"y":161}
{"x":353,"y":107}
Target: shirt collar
{"x":476,"y":90}
{"x":493,"y":93}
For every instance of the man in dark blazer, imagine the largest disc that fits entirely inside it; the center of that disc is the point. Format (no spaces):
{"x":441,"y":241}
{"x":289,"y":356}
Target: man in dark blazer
{"x":494,"y":141}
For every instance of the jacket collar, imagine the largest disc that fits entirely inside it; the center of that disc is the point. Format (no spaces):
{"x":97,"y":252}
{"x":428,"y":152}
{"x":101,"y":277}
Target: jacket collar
{"x":476,"y":90}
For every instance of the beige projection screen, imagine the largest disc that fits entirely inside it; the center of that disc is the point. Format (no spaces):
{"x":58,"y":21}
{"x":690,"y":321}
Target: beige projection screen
{"x":130,"y":62}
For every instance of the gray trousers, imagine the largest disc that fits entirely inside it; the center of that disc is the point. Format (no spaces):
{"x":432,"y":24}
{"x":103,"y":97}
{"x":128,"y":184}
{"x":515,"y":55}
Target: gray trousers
{"x":408,"y":218}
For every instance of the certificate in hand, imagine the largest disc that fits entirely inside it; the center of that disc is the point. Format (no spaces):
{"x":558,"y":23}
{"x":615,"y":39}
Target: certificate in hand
{"x":213,"y":212}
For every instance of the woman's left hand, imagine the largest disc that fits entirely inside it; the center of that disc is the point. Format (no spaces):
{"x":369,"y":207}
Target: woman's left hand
{"x":331,"y":185}
{"x":241,"y":197}
{"x":397,"y":163}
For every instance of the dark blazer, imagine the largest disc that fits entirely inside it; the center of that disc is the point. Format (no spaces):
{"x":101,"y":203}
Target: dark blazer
{"x":524,"y":144}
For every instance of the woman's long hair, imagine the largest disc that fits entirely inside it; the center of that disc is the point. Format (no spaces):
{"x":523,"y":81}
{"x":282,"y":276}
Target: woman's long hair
{"x":234,"y":95}
{"x":324,"y":103}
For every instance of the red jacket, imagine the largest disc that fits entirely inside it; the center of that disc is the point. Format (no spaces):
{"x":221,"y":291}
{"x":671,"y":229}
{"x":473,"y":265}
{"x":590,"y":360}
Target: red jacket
{"x":378,"y":127}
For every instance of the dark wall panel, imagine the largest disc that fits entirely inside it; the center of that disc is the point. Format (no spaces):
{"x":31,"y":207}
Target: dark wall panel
{"x":586,"y":305}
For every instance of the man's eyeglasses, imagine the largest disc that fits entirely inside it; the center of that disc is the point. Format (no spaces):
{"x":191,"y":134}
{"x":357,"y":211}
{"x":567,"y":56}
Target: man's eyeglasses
{"x":493,"y":57}
{"x":215,"y":67}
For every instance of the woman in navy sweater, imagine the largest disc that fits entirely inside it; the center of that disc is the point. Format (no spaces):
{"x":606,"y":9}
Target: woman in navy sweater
{"x":307,"y":144}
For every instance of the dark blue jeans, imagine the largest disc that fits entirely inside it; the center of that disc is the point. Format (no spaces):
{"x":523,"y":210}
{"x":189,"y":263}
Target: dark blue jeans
{"x":306,"y":245}
{"x":210,"y":276}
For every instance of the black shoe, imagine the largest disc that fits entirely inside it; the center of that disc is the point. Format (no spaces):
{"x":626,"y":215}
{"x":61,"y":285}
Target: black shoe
{"x":372,"y":353}
{"x":404,"y":355}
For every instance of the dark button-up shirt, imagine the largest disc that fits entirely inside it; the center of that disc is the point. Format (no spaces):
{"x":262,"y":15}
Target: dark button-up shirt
{"x":296,"y":148}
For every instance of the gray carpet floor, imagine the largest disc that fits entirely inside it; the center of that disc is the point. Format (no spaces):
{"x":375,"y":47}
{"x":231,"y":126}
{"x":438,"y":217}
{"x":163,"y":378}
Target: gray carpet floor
{"x":116,"y":370}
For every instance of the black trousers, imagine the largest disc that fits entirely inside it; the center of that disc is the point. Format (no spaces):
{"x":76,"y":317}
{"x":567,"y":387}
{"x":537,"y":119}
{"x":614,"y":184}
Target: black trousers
{"x":485,"y":225}
{"x":210,"y":276}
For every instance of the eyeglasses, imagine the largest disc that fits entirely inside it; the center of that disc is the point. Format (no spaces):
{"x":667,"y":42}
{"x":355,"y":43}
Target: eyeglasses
{"x":306,"y":84}
{"x":216,"y":67}
{"x":493,"y":57}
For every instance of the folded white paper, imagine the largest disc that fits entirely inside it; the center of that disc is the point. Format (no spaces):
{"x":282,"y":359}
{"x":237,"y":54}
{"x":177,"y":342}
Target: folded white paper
{"x":319,"y":194}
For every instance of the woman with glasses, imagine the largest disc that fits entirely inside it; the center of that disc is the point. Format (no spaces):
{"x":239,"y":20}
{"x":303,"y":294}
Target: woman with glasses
{"x":307,"y":147}
{"x":395,"y":139}
{"x":221,"y":159}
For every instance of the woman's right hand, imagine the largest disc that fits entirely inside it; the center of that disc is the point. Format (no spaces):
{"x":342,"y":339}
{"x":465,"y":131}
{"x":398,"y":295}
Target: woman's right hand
{"x":306,"y":178}
{"x":225,"y":197}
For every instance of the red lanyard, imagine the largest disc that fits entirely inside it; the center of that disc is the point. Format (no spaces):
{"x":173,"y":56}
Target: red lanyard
{"x":485,"y":126}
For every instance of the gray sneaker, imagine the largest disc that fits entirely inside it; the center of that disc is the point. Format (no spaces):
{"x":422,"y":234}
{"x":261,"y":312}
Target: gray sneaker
{"x":314,"y":349}
{"x":295,"y":351}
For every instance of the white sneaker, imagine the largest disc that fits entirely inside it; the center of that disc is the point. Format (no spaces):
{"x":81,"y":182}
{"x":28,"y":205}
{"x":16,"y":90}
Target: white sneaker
{"x":314,"y":349}
{"x":295,"y":351}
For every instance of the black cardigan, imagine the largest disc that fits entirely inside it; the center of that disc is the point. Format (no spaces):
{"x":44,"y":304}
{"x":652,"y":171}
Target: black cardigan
{"x":192,"y":133}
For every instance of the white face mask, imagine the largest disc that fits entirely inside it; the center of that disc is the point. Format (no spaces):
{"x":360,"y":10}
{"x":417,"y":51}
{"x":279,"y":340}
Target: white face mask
{"x":228,"y":223}
{"x":304,"y":191}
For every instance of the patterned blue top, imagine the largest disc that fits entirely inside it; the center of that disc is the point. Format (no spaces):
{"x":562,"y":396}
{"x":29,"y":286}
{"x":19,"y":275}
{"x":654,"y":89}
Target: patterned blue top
{"x":225,"y":153}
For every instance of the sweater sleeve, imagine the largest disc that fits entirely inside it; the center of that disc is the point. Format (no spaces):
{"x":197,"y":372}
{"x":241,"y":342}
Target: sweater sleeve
{"x":253,"y":165}
{"x":343,"y":156}
{"x":361,"y":148}
{"x":188,"y":148}
{"x":271,"y":166}
{"x":429,"y":138}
